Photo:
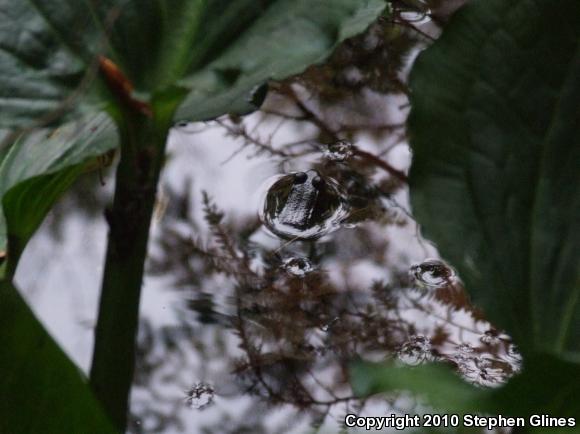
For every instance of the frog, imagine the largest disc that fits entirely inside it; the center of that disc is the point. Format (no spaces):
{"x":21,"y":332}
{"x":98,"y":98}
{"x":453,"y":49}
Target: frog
{"x":298,"y":204}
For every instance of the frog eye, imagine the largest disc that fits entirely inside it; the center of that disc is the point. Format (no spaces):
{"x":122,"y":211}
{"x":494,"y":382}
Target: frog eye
{"x":300,"y":178}
{"x":317,"y":182}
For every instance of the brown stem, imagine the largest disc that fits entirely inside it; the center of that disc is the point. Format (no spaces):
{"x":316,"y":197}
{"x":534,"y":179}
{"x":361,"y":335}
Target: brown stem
{"x":382,"y":164}
{"x":319,"y":122}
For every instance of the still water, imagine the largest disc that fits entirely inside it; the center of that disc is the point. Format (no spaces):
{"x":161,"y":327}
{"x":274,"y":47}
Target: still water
{"x":282,"y":248}
{"x":268,"y":274}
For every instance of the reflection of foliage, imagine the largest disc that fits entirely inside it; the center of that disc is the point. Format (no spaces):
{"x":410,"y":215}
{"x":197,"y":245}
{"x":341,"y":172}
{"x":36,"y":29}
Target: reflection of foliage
{"x":297,"y":335}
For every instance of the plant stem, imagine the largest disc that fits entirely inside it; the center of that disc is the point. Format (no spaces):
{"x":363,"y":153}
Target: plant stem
{"x":142,"y":150}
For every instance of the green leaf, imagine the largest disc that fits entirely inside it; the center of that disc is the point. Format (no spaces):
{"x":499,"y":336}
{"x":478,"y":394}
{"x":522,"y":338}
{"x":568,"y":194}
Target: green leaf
{"x":442,"y":388}
{"x":219,"y":49}
{"x":495,"y":179}
{"x":289,"y":36}
{"x":37,"y":72}
{"x":42,"y":391}
{"x":548,"y":385}
{"x":39,"y":168}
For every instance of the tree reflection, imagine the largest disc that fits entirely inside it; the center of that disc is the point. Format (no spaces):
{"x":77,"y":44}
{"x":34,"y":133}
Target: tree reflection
{"x":266,"y":340}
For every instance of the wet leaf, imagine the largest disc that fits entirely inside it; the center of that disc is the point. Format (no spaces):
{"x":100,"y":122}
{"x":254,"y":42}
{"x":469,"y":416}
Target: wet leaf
{"x":442,"y":388}
{"x":286,"y":38}
{"x":550,"y":386}
{"x":495,"y":179}
{"x":42,"y":390}
{"x":38,"y":169}
{"x":221,"y":51}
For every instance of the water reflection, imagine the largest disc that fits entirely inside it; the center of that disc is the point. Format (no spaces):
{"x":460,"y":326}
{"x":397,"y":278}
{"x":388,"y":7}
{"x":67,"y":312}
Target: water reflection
{"x":262,"y":330}
{"x":293,"y":338}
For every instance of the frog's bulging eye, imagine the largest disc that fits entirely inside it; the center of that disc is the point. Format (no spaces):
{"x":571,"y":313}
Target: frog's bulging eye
{"x":300,"y":178}
{"x":317,"y":182}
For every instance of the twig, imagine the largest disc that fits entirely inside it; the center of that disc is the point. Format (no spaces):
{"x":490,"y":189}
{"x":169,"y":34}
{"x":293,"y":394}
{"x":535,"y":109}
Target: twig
{"x":319,"y":122}
{"x":381,"y":163}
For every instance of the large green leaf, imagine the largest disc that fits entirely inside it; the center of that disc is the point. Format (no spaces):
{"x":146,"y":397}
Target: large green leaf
{"x":39,"y":168}
{"x":41,"y":389}
{"x":207,"y":47}
{"x":287,"y":37}
{"x":495,"y":176}
{"x":37,"y":72}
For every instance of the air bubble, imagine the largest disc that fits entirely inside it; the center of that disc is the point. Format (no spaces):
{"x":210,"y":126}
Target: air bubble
{"x":415,"y":12}
{"x":416,"y":350}
{"x":432,"y":273}
{"x":200,"y":395}
{"x":338,"y":151}
{"x":298,"y":267}
{"x":490,"y":337}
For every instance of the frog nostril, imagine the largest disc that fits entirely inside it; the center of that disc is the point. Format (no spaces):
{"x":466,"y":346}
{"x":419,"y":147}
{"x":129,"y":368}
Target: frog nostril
{"x":300,"y":178}
{"x":317,"y":182}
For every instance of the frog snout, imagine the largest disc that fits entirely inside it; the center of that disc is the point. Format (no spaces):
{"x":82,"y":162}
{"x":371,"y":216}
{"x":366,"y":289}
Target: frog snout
{"x":300,"y":178}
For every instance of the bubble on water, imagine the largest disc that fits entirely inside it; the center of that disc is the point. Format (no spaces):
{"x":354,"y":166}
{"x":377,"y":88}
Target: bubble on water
{"x":416,"y":17}
{"x":463,"y":352}
{"x":298,"y":267}
{"x":484,"y":371}
{"x":462,"y":356}
{"x":490,"y":337}
{"x":464,"y":349}
{"x":416,"y":350}
{"x":338,"y":151}
{"x":432,"y":273}
{"x":200,"y":395}
{"x":480,"y":369}
{"x":416,"y":12}
{"x":303,"y":206}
